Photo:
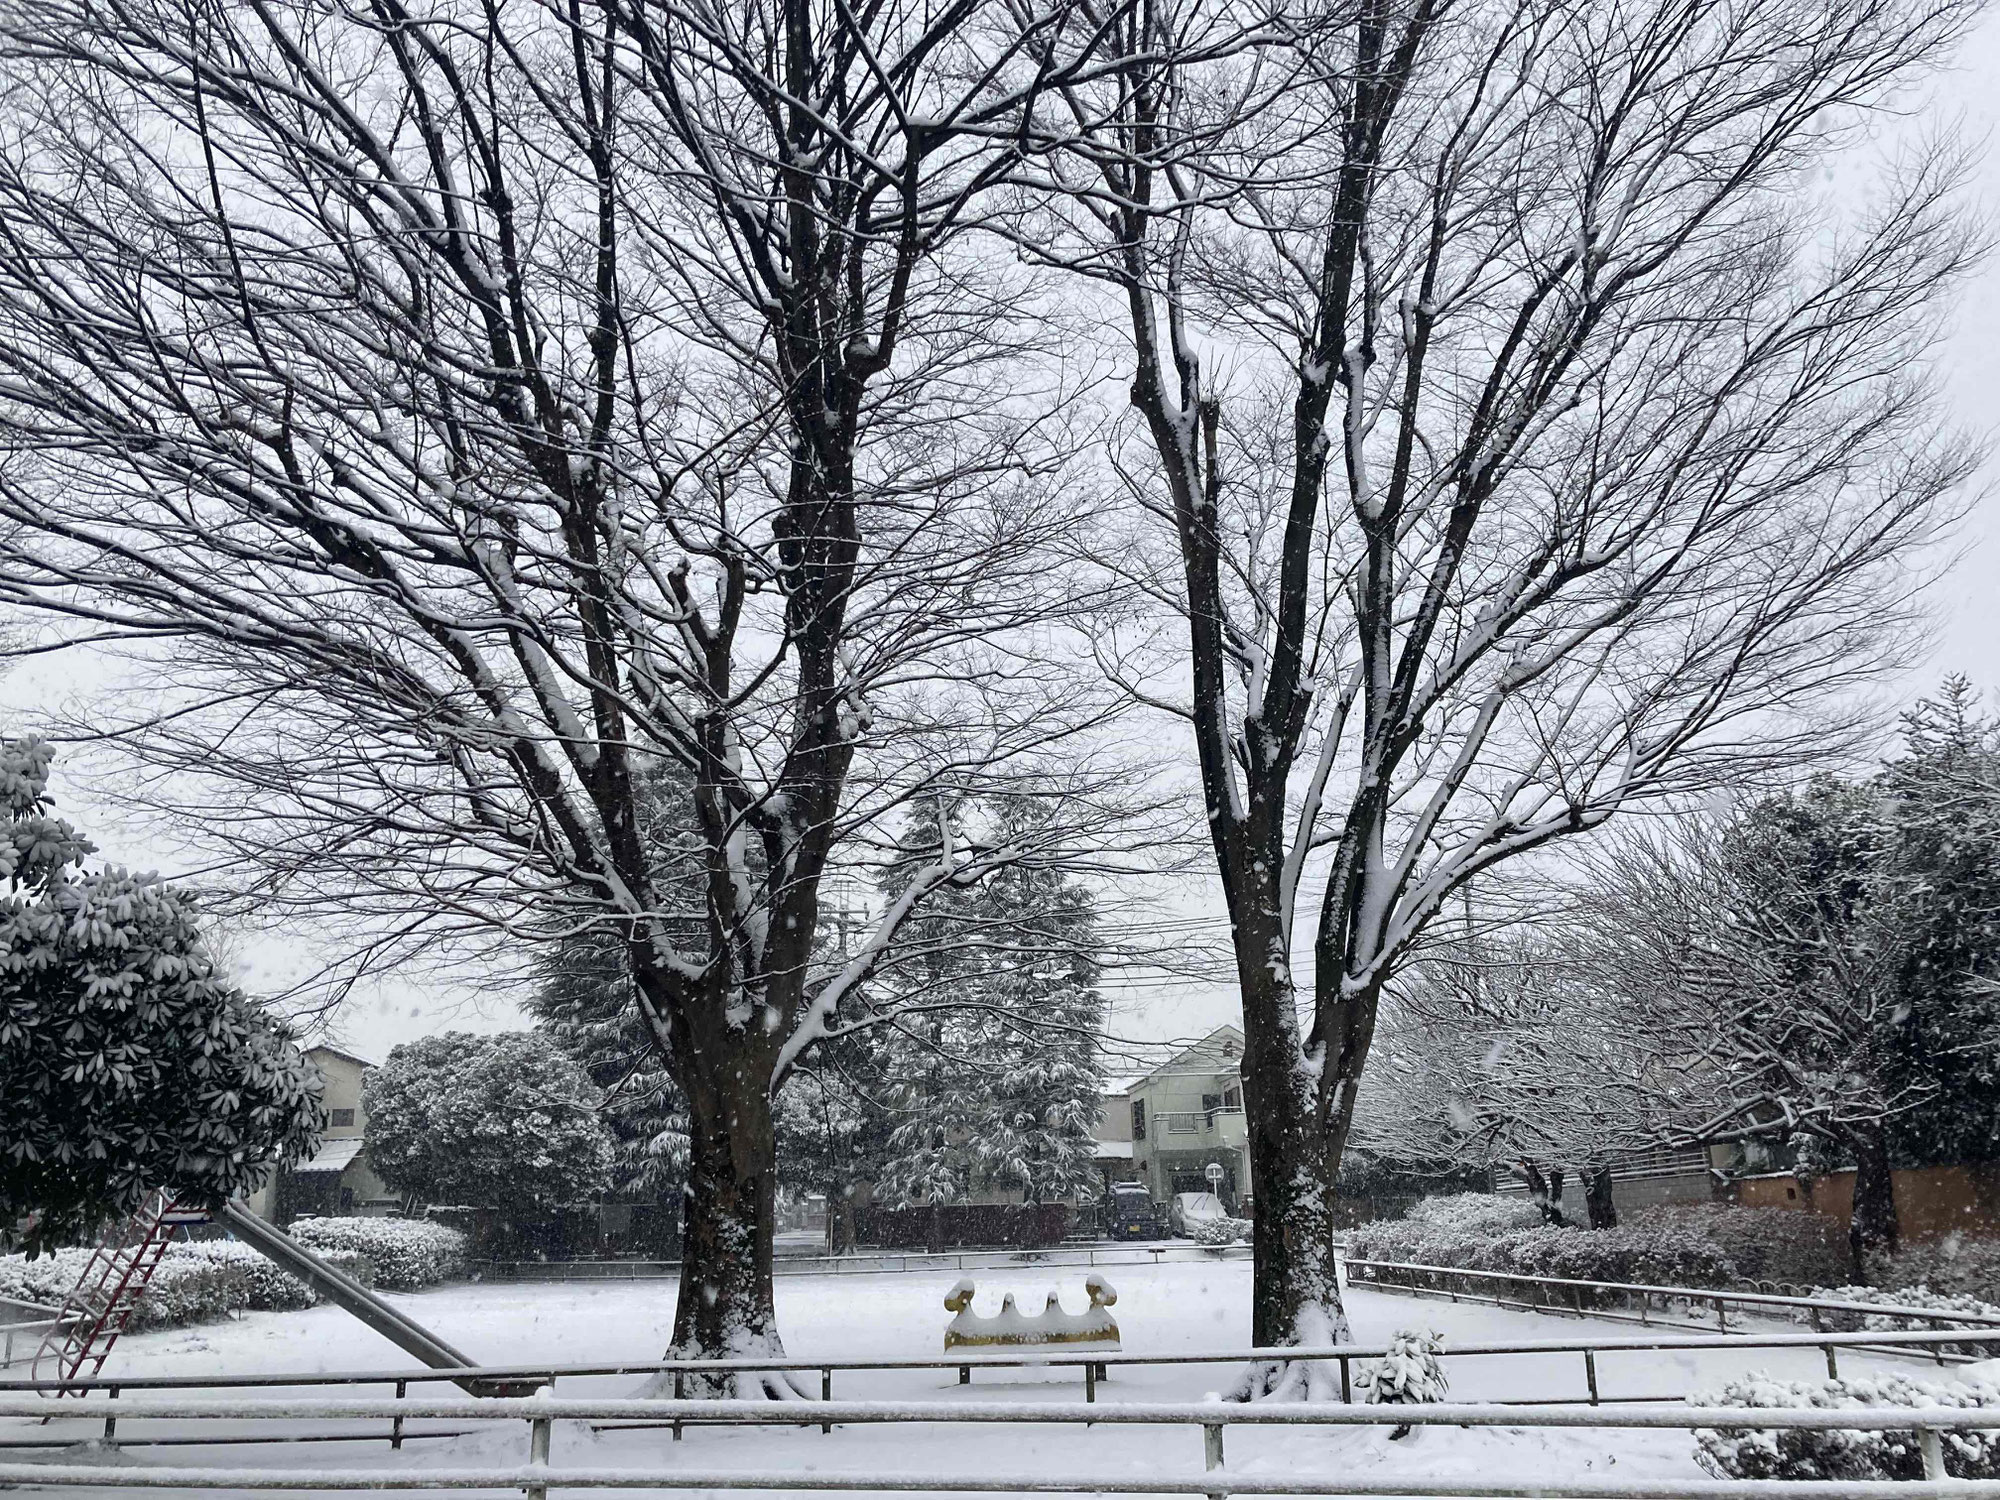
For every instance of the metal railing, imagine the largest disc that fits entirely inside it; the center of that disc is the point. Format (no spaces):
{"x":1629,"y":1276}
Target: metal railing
{"x":1213,"y":1418}
{"x":882,"y":1262}
{"x":21,"y":1336}
{"x":1557,"y":1294}
{"x":1094,"y":1367}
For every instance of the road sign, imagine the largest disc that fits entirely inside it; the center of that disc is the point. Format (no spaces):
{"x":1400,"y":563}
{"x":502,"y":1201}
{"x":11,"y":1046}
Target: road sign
{"x":1215,"y":1174}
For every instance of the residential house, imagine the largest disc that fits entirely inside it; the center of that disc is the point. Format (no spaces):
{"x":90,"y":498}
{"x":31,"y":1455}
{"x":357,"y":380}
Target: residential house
{"x":337,"y":1179}
{"x":1186,"y":1116}
{"x":1113,"y":1131}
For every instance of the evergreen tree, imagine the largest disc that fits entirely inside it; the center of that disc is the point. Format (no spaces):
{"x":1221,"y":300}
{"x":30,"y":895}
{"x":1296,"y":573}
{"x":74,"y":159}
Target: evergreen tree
{"x":996,"y":1061}
{"x":127,"y":1063}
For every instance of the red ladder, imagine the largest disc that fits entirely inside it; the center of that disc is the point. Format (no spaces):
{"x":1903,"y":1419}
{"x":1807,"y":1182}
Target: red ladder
{"x":97,"y":1307}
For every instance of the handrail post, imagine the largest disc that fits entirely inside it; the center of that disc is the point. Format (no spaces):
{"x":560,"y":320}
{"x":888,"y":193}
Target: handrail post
{"x":1089,"y":1380}
{"x":1346,"y":1390}
{"x":1933,"y":1446}
{"x":965,"y":1374}
{"x":1832,"y":1364}
{"x":1721,"y":1316}
{"x":1211,"y":1452}
{"x":1590,"y":1373}
{"x":680,"y":1394}
{"x":396,"y":1427}
{"x":111,"y":1423}
{"x":826,"y":1392}
{"x":538,"y":1456}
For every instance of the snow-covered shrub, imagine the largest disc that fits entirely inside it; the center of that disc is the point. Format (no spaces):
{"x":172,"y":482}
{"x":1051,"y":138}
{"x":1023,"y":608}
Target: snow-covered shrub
{"x":1842,"y":1453}
{"x":193,"y":1283}
{"x":1214,"y":1232}
{"x":1957,"y":1264}
{"x":1910,"y":1296}
{"x":1650,"y":1254}
{"x":1410,"y":1372}
{"x":1764,"y":1244}
{"x":408,"y":1254}
{"x":1475,"y":1213}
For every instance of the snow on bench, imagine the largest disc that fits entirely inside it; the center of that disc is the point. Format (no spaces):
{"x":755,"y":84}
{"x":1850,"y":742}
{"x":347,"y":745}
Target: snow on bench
{"x":1093,"y":1328}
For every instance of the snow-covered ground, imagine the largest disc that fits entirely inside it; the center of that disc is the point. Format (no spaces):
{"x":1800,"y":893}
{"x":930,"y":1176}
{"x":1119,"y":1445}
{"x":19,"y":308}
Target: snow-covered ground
{"x":1168,"y":1308}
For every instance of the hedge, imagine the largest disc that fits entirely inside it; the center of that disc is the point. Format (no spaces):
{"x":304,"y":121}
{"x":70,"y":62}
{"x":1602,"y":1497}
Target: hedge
{"x":408,"y":1254}
{"x":1843,"y":1453}
{"x":196,"y":1281}
{"x":954,"y":1226}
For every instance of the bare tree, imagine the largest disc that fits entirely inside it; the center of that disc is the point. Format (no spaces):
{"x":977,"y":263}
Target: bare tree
{"x":1525,"y":450}
{"x":466,"y":413}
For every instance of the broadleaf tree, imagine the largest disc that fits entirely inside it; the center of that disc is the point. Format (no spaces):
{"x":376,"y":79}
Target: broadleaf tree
{"x":505,"y":1122}
{"x":464,"y":412}
{"x":129,"y":1064}
{"x":1521,"y":445}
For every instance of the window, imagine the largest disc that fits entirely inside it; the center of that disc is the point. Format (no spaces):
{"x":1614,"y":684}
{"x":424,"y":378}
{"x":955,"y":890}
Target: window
{"x":1138,"y":1119}
{"x":1232,"y":1097}
{"x":340,"y":1117}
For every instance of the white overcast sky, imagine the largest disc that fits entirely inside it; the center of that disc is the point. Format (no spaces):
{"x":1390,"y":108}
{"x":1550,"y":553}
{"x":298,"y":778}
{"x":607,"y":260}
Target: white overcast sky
{"x":1966,"y":603}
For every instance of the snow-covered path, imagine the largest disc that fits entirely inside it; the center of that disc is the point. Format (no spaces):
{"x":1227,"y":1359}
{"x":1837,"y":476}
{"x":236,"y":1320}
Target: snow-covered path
{"x":1161,"y":1309}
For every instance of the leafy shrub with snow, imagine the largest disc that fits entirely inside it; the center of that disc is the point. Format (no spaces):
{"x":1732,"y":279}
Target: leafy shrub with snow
{"x":1216,"y":1233}
{"x":1410,"y":1372}
{"x":1956,"y":1264}
{"x":1922,"y":1297}
{"x":193,"y":1283}
{"x":1475,"y":1213}
{"x":1764,"y":1244}
{"x":1637,"y":1252}
{"x":408,"y":1254}
{"x":1843,"y":1453}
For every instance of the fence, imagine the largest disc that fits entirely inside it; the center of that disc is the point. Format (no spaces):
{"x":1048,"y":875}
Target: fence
{"x":539,"y":1414}
{"x":22,"y":1325}
{"x":1556,"y":1294}
{"x":871,"y":1265}
{"x":1094,"y":1366}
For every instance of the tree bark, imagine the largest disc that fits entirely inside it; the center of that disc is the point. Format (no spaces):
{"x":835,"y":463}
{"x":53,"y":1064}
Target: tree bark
{"x":1547,"y":1191}
{"x":1873,"y":1229}
{"x":725,"y":1308}
{"x":1597,"y":1199}
{"x":1295,"y":1296}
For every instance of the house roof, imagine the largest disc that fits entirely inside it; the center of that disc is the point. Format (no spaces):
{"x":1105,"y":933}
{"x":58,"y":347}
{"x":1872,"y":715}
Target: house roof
{"x":333,"y":1156}
{"x":353,"y":1057}
{"x":1221,"y":1051}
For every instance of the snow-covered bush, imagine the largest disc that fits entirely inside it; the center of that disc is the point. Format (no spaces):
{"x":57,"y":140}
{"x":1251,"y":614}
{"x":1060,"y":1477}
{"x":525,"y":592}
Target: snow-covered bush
{"x":1843,"y":1453}
{"x":1214,"y":1232}
{"x":408,"y":1254}
{"x":1475,"y":1213}
{"x":1956,"y":1264}
{"x":1649,"y":1253}
{"x":1410,"y":1372}
{"x":1922,"y":1297}
{"x":1764,"y":1244}
{"x":193,"y":1283}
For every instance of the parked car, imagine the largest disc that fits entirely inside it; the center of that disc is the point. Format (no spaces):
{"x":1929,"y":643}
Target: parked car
{"x":1130,"y":1213}
{"x":1190,"y":1209}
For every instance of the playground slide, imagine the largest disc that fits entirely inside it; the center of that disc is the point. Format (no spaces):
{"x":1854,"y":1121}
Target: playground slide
{"x":345,"y":1292}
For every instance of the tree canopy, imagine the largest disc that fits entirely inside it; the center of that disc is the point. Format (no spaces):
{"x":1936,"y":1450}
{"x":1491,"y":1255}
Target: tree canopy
{"x":128,"y":1063}
{"x":504,"y":1122}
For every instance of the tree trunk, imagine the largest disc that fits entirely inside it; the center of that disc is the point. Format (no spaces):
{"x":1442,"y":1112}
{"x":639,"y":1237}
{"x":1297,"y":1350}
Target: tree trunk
{"x":1295,"y":1292}
{"x":1873,"y":1230}
{"x":1597,"y":1199}
{"x":1547,"y":1191}
{"x":725,"y":1308}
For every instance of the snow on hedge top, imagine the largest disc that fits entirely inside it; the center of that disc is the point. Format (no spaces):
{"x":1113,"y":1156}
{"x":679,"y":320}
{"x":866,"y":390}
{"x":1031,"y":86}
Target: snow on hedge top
{"x":407,"y":1253}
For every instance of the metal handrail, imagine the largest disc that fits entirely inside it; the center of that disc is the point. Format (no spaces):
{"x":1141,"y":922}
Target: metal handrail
{"x":1920,"y":1340}
{"x":1692,"y":1294}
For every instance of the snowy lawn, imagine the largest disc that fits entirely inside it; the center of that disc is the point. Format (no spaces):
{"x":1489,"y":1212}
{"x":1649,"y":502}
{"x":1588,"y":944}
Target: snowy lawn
{"x":1167,"y":1308}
